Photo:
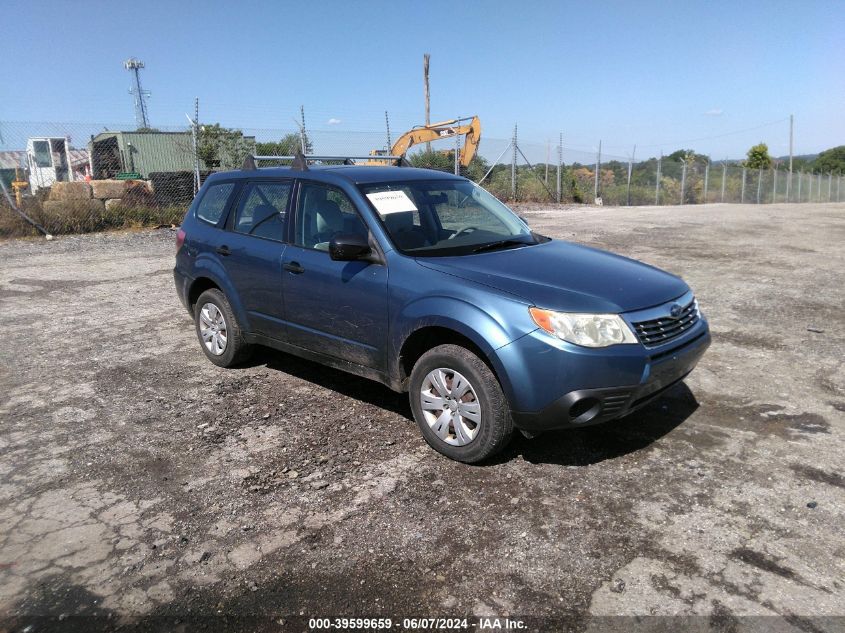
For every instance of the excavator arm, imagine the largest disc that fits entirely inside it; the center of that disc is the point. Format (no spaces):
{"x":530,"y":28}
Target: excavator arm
{"x":438,"y":131}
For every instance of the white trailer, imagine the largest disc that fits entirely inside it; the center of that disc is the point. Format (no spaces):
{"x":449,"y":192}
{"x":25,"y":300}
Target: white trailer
{"x":48,"y":159}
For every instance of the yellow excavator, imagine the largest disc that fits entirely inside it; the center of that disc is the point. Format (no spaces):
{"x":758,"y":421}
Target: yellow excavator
{"x":435,"y":132}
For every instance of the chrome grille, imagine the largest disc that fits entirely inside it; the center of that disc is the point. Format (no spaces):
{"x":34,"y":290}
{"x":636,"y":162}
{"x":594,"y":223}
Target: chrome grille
{"x":665,"y":328}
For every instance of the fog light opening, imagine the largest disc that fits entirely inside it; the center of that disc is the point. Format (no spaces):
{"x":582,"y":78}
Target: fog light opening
{"x":584,"y":410}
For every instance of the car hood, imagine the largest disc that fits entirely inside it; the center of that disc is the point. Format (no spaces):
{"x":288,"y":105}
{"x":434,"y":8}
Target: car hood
{"x":559,"y":275}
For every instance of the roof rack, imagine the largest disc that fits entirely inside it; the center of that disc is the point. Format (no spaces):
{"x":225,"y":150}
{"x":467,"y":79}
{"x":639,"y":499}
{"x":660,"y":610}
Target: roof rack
{"x":299,"y":161}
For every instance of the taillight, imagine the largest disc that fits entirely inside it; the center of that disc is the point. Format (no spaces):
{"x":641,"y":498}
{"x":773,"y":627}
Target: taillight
{"x":180,"y":239}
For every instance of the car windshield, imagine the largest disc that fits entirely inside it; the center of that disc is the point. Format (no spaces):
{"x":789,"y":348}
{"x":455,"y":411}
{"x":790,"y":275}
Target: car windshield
{"x":435,"y":218}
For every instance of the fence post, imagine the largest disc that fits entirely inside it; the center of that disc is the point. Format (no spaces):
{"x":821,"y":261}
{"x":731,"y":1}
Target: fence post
{"x":559,"y":164}
{"x":513,"y":165}
{"x":683,"y":179}
{"x":820,"y":186}
{"x":302,"y":130}
{"x":657,"y":180}
{"x":829,"y":185}
{"x":838,"y":188}
{"x":598,"y":169}
{"x":775,"y":184}
{"x":630,"y":167}
{"x":742,"y":194}
{"x":800,"y":180}
{"x":724,"y":177}
{"x":706,"y":179}
{"x":194,"y":125}
{"x":457,"y":151}
{"x":759,"y":184}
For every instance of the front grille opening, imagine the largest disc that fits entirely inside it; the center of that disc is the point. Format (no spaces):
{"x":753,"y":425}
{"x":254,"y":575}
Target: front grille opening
{"x":584,"y":410}
{"x":658,"y":331}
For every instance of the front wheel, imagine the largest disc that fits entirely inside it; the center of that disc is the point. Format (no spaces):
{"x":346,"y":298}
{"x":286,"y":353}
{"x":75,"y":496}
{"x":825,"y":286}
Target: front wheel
{"x":459,"y":405}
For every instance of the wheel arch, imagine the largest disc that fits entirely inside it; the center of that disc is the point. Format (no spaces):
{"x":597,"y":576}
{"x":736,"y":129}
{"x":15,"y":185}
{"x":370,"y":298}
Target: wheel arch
{"x":427,"y":337}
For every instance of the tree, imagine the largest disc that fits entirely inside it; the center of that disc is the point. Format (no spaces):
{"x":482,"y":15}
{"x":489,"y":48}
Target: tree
{"x":222,"y":148}
{"x":287,"y":146}
{"x":830,"y":160}
{"x":758,"y":157}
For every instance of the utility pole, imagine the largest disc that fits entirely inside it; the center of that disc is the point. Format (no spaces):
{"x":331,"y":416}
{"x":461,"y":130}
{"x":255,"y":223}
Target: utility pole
{"x":598,"y":169}
{"x":426,"y":58}
{"x":683,"y":178}
{"x":560,"y":163}
{"x":387,"y":126}
{"x":630,"y":168}
{"x":742,"y":194}
{"x":724,"y":178}
{"x":800,"y":179}
{"x":706,"y":179}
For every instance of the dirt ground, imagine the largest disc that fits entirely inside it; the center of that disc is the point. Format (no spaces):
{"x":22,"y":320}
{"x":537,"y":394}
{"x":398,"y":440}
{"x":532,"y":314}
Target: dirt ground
{"x":141,"y":486}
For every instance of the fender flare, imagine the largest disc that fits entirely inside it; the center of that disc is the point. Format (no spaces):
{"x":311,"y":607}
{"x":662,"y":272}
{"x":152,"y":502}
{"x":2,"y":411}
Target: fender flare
{"x":458,"y":315}
{"x":209,"y":268}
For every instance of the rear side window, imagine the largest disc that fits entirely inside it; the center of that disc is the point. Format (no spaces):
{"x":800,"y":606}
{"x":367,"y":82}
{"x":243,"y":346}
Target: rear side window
{"x":213,"y":202}
{"x":262,"y":210}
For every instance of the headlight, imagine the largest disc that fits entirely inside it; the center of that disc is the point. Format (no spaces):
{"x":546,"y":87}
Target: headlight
{"x":589,"y":330}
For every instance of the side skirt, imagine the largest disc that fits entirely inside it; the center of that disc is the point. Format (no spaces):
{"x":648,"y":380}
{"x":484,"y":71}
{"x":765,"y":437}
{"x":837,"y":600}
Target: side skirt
{"x":369,"y":373}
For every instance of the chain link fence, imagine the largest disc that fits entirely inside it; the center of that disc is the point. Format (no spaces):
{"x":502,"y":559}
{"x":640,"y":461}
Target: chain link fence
{"x":76,"y":177}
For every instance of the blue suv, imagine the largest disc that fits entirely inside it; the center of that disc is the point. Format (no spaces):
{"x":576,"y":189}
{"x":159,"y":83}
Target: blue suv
{"x":428,"y":284}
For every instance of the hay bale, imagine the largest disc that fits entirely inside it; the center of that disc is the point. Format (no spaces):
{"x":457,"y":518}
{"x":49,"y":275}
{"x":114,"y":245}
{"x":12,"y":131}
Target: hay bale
{"x":105,"y":189}
{"x":63,"y":191}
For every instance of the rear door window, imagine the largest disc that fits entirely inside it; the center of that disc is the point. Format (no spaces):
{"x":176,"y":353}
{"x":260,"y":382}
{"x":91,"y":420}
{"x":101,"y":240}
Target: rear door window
{"x":213,"y":203}
{"x":262,"y":209}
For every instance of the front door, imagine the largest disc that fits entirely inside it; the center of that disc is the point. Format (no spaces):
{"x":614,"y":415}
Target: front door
{"x":252,"y":250}
{"x":333,"y":308}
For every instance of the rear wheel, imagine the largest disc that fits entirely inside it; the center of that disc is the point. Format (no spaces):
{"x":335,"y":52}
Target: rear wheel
{"x":459,"y":405}
{"x":218,"y":330}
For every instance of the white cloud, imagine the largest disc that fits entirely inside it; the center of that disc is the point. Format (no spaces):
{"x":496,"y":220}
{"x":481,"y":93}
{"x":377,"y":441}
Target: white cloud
{"x":333,"y":121}
{"x":714,"y":112}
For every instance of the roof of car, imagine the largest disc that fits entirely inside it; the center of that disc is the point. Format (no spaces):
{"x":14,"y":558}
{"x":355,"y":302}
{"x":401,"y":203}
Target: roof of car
{"x":357,"y":174}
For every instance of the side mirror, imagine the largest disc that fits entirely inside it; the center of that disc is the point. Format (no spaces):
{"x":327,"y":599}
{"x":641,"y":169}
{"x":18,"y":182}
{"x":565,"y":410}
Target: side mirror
{"x":348,"y":247}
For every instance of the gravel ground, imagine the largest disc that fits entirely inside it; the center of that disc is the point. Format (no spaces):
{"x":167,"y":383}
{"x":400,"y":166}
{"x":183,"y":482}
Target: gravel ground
{"x":142,"y":485}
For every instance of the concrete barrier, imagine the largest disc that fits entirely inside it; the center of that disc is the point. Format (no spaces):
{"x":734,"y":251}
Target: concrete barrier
{"x":105,"y":189}
{"x":62,"y":191}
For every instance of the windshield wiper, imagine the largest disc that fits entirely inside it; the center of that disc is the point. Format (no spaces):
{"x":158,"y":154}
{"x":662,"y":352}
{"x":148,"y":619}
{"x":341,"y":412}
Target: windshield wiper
{"x":492,"y":246}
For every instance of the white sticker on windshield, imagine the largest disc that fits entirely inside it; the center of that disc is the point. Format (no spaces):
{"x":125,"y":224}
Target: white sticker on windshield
{"x":387,"y":202}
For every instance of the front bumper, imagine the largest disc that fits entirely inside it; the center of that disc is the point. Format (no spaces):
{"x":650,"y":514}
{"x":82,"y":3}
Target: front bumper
{"x":585,"y":407}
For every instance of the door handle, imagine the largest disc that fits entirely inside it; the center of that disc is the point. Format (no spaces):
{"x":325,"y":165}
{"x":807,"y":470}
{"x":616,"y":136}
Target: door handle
{"x":224,"y":250}
{"x":294,"y":267}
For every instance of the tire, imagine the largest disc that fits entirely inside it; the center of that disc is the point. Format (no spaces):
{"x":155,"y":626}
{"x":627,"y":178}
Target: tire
{"x":453,"y":431}
{"x":223,"y":353}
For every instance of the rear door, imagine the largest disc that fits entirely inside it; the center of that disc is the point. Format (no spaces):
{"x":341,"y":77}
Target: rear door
{"x":252,"y":252}
{"x":333,"y":308}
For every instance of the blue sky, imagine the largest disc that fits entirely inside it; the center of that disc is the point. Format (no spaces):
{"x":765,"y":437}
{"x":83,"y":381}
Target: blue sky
{"x":658,"y":74}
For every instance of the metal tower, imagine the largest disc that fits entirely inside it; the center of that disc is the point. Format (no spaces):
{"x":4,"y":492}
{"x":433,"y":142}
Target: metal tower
{"x":134,"y":66}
